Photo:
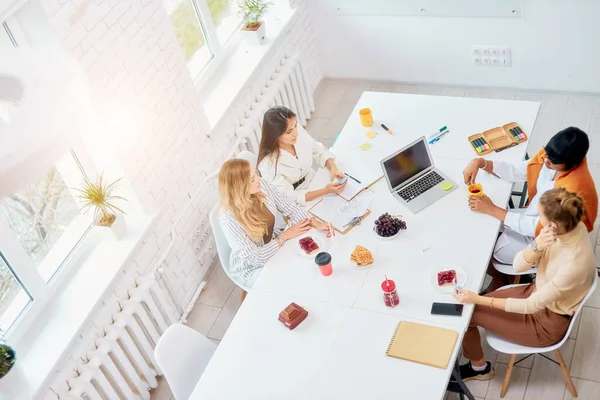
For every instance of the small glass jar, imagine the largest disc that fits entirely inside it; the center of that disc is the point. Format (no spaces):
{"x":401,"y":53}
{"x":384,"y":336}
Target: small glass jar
{"x":390,"y":295}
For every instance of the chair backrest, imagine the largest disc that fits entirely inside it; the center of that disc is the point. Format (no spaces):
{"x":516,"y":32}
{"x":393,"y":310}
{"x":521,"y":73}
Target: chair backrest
{"x":182,"y":354}
{"x":248,"y":156}
{"x":223,"y":248}
{"x":580,"y":306}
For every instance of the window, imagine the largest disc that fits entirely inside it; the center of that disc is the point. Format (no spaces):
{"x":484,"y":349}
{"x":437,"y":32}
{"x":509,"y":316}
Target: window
{"x":203,"y":28}
{"x":40,"y":226}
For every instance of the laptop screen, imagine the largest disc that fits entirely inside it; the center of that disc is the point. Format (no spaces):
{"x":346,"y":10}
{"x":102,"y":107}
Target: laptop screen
{"x":407,"y":164}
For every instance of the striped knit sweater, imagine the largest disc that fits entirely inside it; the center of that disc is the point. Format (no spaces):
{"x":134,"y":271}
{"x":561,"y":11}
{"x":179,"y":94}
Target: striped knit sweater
{"x":247,"y":256}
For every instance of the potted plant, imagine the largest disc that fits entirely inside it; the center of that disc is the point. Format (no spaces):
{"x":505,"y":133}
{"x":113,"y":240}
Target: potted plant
{"x":8,"y":358}
{"x":99,"y":196}
{"x":252,"y":12}
{"x":7,"y":354}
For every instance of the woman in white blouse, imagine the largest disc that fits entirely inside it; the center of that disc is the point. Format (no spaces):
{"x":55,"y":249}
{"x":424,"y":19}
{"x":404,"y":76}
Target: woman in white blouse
{"x":286,"y":156}
{"x":248,"y":209}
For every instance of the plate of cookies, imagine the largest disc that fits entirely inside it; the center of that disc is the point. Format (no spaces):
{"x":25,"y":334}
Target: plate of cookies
{"x":444,"y":280}
{"x":361,"y":256}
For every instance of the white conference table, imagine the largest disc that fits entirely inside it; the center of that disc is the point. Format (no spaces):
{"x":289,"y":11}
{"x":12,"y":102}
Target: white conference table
{"x":339,"y":350}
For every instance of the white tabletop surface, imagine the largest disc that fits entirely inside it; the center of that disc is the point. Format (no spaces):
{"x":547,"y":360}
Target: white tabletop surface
{"x":411,"y":116}
{"x":339,"y":351}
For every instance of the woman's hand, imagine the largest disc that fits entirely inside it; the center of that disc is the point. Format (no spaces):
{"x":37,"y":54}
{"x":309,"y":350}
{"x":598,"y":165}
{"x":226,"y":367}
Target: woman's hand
{"x":335,"y":172}
{"x":547,"y":237}
{"x":296,"y":230}
{"x":470,"y":173}
{"x":333,"y":169}
{"x":320,"y":226}
{"x":465,"y":296}
{"x":335,"y":187}
{"x":482,"y":205}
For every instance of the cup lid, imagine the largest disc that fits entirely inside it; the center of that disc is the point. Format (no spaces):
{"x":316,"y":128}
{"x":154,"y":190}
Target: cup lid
{"x":388,"y":285}
{"x":323,"y":258}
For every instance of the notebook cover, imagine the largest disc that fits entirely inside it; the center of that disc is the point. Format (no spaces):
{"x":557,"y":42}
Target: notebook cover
{"x":423,"y":344}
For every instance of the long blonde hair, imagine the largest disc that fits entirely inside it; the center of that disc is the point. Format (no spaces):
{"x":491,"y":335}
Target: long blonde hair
{"x":234,"y":195}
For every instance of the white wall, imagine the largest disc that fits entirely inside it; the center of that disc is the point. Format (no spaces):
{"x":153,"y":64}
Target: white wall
{"x":554,"y":47}
{"x":137,"y":71}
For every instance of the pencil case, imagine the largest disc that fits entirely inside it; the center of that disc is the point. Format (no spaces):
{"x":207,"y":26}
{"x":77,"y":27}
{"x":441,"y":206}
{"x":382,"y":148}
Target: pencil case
{"x":497,"y":139}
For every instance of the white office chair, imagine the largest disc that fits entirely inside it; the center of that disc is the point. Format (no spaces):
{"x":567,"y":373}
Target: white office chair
{"x":248,"y":156}
{"x":506,"y":347}
{"x":507,"y":269}
{"x":223,"y":248}
{"x":182,"y":354}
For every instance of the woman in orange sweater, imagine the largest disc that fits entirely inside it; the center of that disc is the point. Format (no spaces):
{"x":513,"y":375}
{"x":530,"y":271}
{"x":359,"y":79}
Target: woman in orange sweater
{"x":537,"y":314}
{"x":561,"y":163}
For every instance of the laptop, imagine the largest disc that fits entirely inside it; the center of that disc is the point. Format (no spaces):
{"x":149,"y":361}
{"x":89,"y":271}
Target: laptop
{"x":412,"y":177}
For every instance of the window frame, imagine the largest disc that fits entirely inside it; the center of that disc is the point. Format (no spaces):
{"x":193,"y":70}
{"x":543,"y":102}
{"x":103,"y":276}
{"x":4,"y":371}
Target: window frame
{"x":217,"y":50}
{"x":72,"y":167}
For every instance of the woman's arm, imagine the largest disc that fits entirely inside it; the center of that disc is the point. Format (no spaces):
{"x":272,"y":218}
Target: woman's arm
{"x":508,"y":172}
{"x":526,"y":259}
{"x":246,"y":255}
{"x":285,"y":205}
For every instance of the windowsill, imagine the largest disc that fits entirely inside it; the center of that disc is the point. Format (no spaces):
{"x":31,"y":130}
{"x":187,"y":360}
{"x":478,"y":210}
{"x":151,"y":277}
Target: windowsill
{"x":52,"y":335}
{"x":240,"y":61}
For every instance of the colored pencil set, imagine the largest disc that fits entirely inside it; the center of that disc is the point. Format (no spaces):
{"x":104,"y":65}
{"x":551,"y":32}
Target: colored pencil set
{"x":517,"y":133}
{"x":480,"y":145}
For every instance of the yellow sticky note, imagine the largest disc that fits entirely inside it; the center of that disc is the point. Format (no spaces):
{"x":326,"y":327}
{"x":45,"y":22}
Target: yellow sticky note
{"x":447,"y":185}
{"x":371,"y":134}
{"x":365,"y":146}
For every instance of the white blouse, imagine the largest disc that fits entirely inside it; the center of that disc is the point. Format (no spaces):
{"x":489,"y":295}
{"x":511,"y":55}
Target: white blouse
{"x":247,"y":256}
{"x":290,"y":169}
{"x":524,"y":221}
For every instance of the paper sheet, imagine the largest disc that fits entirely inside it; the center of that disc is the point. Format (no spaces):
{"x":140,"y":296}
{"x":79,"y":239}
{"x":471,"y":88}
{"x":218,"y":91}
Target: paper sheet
{"x":365,"y":173}
{"x":340,"y":212}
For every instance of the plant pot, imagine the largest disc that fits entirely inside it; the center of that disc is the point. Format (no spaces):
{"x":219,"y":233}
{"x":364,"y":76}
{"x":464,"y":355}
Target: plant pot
{"x":116,"y":223}
{"x":256,"y":35}
{"x":8,"y":357}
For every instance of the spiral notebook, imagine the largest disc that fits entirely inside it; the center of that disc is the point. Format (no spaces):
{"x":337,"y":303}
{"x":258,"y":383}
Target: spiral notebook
{"x":423,"y":344}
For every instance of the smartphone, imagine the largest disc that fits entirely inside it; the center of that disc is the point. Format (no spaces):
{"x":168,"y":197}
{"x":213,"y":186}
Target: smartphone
{"x":447,"y":309}
{"x":343,"y":180}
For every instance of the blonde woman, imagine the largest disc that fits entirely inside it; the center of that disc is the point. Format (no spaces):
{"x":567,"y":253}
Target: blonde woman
{"x":248,"y":209}
{"x":537,"y":314}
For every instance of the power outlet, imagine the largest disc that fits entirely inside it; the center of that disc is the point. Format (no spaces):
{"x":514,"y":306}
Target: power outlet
{"x":496,"y":56}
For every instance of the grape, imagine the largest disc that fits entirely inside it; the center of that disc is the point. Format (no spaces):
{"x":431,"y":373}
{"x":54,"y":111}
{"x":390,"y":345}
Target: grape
{"x":387,"y":225}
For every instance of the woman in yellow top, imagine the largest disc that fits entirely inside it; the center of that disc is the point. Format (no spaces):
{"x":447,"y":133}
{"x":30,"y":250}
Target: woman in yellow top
{"x":537,"y":314}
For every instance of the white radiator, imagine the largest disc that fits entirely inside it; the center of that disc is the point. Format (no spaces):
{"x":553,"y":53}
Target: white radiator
{"x":287,"y":86}
{"x":122,"y":365}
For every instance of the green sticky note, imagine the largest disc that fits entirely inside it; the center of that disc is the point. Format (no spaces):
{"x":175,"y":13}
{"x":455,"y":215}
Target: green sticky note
{"x":365,"y":146}
{"x":447,"y":185}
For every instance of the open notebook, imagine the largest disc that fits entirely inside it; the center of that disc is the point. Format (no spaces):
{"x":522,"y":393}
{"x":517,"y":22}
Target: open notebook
{"x":423,"y":344}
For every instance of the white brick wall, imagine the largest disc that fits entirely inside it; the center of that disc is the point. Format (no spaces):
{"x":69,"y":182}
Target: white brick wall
{"x":132,"y":60}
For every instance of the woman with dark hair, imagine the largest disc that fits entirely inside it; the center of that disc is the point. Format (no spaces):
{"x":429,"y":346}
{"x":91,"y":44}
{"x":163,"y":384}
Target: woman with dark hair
{"x":561,"y":164}
{"x":286,"y":156}
{"x":537,"y":314}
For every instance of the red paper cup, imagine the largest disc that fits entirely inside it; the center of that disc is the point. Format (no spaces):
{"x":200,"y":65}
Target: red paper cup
{"x":323,"y":260}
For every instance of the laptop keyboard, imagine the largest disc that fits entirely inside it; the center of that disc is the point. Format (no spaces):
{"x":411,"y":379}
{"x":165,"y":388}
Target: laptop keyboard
{"x":420,"y":186}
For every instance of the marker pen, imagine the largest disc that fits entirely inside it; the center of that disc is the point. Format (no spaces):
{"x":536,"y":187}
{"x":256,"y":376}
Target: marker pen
{"x":386,"y":129}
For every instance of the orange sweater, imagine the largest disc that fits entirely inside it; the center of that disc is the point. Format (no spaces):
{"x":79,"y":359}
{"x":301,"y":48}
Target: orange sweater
{"x":578,"y":180}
